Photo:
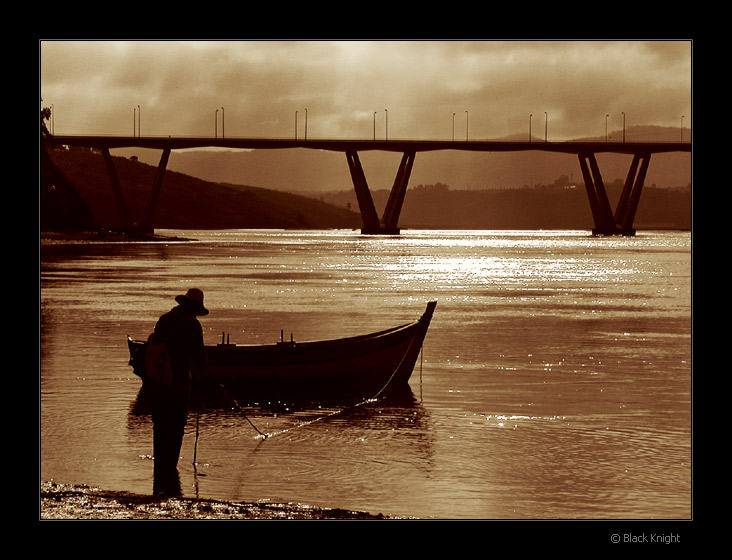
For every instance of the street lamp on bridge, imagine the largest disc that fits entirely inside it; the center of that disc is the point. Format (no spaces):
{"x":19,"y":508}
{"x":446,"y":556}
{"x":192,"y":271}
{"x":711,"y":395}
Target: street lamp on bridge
{"x":306,"y":124}
{"x":682,"y":128}
{"x":623,"y":127}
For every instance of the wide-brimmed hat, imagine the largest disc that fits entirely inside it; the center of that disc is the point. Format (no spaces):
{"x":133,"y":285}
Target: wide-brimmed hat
{"x":194,"y":300}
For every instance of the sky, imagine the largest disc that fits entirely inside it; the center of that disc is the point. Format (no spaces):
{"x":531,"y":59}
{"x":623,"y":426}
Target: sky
{"x":361,"y":89}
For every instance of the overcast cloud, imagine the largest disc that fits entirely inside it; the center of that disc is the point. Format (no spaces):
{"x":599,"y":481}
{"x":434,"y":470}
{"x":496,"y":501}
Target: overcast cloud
{"x":95,"y":87}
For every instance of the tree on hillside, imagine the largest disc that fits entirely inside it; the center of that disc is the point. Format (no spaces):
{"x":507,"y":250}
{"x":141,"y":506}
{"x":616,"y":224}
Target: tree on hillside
{"x":45,"y":116}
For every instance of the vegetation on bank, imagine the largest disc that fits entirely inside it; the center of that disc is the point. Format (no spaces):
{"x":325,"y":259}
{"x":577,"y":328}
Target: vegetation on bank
{"x":560,"y":205}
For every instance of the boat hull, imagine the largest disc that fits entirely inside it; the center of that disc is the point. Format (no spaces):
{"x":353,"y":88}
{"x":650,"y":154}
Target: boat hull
{"x":365,"y":364}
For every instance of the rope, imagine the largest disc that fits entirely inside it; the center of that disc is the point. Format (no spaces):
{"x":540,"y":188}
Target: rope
{"x":320,"y":418}
{"x":238,"y":409}
{"x":264,"y":436}
{"x":308,"y":423}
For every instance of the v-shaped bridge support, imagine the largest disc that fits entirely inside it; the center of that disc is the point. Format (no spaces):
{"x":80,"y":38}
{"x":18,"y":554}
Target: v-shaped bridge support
{"x":389,"y":223}
{"x":619,"y":222}
{"x":606,"y":221}
{"x":145,"y":225}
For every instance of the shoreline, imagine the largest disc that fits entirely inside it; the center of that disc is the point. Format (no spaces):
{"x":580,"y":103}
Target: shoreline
{"x":103,"y":235}
{"x":80,"y":502}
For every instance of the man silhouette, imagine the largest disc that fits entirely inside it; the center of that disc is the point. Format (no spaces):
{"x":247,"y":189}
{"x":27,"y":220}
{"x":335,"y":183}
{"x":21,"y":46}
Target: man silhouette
{"x":182,"y":335}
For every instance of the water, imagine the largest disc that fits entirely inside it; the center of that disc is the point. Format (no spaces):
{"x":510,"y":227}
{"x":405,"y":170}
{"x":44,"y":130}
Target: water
{"x":555,"y":381}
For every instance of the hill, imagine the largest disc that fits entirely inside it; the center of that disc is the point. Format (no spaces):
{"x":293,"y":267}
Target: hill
{"x":185,"y":202}
{"x":62,"y":209}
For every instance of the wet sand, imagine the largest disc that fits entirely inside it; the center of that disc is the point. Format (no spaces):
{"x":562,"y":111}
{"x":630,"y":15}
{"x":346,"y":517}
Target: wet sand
{"x":74,"y":502}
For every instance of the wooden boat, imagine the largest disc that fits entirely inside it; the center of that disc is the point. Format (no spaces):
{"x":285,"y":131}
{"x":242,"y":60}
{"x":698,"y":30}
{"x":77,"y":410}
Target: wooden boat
{"x":365,"y":364}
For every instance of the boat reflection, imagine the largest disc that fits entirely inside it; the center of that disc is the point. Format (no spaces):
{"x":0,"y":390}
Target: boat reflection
{"x":218,"y":401}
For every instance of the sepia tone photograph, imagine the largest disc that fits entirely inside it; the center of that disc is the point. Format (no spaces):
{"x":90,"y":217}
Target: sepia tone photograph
{"x":395,"y":280}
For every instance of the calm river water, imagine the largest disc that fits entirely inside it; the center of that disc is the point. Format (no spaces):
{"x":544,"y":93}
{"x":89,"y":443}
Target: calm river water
{"x":555,"y":380}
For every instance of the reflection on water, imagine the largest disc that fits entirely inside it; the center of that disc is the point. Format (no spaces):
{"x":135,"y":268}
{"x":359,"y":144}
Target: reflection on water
{"x":554,"y":382}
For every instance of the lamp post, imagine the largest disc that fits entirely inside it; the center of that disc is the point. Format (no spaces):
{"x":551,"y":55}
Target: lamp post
{"x":374,"y":126}
{"x":606,"y":117}
{"x":682,"y":128}
{"x":623,"y":127}
{"x":546,"y":126}
{"x":306,"y":124}
{"x":467,"y":125}
{"x":139,"y":122}
{"x":453,"y":127}
{"x":134,"y":121}
{"x":531,"y":115}
{"x":295,"y":125}
{"x":386,"y":125}
{"x":216,"y":123}
{"x":223,"y":125}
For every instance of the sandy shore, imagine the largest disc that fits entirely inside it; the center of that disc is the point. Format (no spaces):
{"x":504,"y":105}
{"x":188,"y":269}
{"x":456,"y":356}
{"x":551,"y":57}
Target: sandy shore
{"x":70,"y":502}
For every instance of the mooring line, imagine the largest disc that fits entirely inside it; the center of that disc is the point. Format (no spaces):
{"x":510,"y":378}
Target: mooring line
{"x":363,"y":402}
{"x":264,"y":436}
{"x":309,"y":422}
{"x":375,"y":398}
{"x":238,"y":409}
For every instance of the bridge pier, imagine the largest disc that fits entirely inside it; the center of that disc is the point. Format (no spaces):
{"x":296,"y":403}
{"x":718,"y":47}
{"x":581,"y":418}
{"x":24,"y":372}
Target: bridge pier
{"x":119,"y":196}
{"x":630,"y":196}
{"x":389,"y":223}
{"x":145,"y":225}
{"x":606,"y":221}
{"x":398,"y":192}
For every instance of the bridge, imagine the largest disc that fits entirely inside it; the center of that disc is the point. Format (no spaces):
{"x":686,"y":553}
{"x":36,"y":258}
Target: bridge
{"x":606,"y":220}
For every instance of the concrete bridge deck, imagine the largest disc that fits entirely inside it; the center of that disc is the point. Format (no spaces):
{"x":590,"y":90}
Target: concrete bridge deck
{"x":607,"y":221}
{"x":402,"y":146}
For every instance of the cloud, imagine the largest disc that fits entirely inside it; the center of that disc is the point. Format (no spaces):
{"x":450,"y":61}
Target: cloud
{"x":96,"y":86}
